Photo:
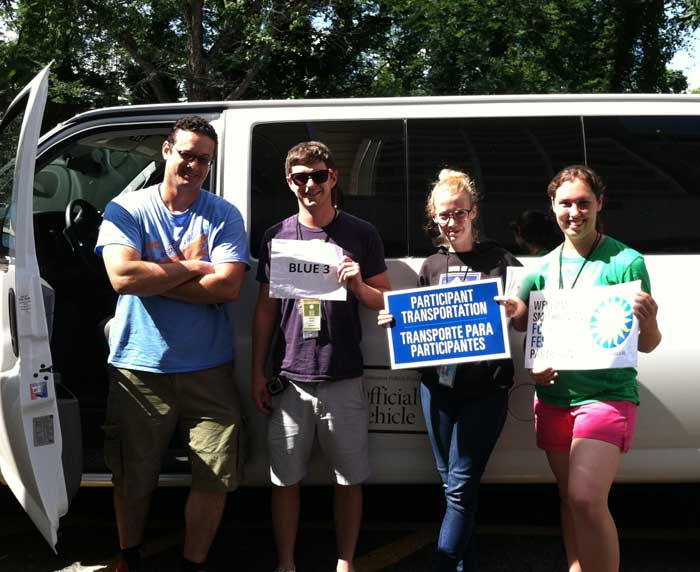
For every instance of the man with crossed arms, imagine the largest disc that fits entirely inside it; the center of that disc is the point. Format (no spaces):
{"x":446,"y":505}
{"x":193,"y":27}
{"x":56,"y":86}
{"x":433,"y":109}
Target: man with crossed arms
{"x":176,"y":254}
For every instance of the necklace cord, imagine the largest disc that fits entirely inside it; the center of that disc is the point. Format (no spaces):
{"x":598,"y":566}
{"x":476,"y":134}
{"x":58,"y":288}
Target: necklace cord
{"x":585,"y":260}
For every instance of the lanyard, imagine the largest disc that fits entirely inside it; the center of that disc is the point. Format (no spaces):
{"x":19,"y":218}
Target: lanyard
{"x":447,"y":268}
{"x":588,"y":256}
{"x":313,"y":311}
{"x":335,"y":216}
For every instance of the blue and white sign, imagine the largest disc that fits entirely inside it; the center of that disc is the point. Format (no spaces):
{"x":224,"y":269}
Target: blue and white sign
{"x":446,"y":324}
{"x":582,"y":328}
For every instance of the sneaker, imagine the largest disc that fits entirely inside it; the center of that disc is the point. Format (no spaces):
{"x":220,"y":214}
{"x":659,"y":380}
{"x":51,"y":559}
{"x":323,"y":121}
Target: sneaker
{"x":285,"y":569}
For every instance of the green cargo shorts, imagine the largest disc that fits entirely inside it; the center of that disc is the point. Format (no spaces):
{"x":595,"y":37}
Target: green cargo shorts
{"x":144,"y":410}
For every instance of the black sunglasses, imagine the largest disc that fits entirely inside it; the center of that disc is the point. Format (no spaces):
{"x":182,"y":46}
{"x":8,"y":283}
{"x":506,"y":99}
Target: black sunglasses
{"x":319,"y":177}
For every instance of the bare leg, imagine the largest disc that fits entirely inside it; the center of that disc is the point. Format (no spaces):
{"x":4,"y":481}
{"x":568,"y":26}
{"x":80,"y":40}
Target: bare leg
{"x":131,"y":519}
{"x":203,"y":513}
{"x":559,"y":463}
{"x":285,"y":521}
{"x":592,"y":468}
{"x":348,"y":516}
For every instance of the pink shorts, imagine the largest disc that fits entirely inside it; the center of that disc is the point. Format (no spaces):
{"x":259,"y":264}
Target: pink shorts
{"x":609,"y":421}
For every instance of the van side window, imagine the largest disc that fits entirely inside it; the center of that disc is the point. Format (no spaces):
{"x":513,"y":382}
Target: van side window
{"x":97,"y":168}
{"x":511,"y":160}
{"x":94,"y":166}
{"x":651,"y":168}
{"x":370,"y":158}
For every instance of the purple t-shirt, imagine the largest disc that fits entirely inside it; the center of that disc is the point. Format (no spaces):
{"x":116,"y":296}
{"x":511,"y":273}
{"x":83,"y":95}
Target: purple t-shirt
{"x":335,"y":353}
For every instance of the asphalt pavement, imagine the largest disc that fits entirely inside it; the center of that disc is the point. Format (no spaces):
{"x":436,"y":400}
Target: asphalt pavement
{"x":518,"y":531}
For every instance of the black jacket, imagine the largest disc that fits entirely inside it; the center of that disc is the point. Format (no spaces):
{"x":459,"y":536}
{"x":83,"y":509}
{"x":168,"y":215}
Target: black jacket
{"x":473,"y":379}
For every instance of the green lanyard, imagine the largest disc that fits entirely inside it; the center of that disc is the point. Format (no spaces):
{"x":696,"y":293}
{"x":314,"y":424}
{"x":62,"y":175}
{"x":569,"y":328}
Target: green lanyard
{"x":588,"y":256}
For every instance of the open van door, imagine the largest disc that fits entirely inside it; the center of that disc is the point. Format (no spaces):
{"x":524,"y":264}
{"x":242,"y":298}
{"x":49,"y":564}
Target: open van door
{"x":30,"y":434}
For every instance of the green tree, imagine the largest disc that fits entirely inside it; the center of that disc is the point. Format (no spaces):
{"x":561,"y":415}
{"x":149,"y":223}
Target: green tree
{"x":113,"y":51}
{"x":529,"y":46}
{"x":689,"y":12}
{"x":110,"y":52}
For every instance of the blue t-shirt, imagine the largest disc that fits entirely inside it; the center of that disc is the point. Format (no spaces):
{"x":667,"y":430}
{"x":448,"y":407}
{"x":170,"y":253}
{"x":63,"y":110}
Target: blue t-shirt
{"x":159,"y":334}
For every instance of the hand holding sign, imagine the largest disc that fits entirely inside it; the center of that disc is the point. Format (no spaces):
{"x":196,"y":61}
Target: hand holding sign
{"x":514,"y":307}
{"x":385,"y":319}
{"x":349,"y":273}
{"x":545,"y":376}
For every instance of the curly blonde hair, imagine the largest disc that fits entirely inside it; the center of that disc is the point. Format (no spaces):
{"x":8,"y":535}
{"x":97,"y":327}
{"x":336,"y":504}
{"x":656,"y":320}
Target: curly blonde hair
{"x":455,"y":182}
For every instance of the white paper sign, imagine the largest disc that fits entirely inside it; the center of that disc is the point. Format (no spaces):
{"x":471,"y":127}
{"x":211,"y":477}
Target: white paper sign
{"x":305,"y":269}
{"x":516,"y":277}
{"x":582,"y":328}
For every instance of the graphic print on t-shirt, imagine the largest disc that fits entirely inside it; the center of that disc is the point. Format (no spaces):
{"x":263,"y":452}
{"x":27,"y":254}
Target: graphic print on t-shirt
{"x":457,"y":274}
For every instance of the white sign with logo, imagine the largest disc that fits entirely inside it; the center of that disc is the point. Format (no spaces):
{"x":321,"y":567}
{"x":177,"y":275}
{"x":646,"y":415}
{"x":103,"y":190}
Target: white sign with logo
{"x":582,"y":328}
{"x":305,"y":269}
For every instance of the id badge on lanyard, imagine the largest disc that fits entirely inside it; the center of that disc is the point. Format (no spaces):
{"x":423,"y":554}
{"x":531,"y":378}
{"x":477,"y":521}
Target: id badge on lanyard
{"x":311,"y":313}
{"x":446,"y":374}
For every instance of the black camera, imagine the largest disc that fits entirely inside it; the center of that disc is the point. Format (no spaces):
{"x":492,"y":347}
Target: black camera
{"x":277,"y":385}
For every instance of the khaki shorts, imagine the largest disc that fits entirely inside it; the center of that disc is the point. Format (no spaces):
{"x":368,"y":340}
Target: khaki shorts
{"x":144,"y":410}
{"x":335,"y":412}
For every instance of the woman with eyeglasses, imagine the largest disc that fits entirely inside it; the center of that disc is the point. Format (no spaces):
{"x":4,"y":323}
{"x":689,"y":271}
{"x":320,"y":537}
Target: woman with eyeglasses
{"x":585,"y":420}
{"x":464,"y":406}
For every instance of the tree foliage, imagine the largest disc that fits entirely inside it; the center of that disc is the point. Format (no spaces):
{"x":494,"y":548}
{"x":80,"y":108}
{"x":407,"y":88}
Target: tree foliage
{"x":516,"y":46}
{"x":110,"y":52}
{"x":689,"y":13}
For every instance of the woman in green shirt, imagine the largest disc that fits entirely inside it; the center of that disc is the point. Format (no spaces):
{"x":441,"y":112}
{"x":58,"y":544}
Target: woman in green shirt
{"x":584,"y":419}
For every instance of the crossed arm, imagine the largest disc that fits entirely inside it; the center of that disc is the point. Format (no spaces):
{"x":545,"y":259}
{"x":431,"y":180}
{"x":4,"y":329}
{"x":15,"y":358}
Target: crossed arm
{"x":194,"y":281}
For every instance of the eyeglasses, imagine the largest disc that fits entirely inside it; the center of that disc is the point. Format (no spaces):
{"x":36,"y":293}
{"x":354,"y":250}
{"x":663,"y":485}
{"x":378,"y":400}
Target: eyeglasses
{"x":458,"y":215}
{"x":319,"y":177}
{"x":189,"y":158}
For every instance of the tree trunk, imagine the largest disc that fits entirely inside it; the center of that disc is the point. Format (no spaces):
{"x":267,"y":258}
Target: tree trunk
{"x":196,"y":84}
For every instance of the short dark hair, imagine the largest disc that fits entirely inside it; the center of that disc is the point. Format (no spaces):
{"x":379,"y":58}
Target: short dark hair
{"x":308,"y":152}
{"x":193,"y":124}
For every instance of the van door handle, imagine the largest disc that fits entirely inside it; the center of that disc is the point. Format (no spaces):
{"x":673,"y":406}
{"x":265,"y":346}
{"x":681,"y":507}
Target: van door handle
{"x":13,"y":321}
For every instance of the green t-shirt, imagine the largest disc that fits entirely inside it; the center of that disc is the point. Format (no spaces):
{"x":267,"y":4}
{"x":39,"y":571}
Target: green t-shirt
{"x":610,"y":263}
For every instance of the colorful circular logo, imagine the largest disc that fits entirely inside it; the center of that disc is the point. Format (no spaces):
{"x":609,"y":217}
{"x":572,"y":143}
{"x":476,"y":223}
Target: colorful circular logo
{"x":611,"y":322}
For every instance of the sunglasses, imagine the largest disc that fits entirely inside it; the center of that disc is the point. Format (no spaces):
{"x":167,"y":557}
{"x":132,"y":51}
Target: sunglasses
{"x":319,"y":177}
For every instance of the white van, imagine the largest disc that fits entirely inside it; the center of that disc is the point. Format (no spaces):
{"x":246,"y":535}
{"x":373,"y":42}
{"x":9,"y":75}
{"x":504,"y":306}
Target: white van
{"x":55,"y":295}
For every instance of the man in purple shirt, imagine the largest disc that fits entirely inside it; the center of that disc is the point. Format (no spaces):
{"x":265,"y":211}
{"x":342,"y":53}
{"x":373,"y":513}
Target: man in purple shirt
{"x":317,"y":364}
